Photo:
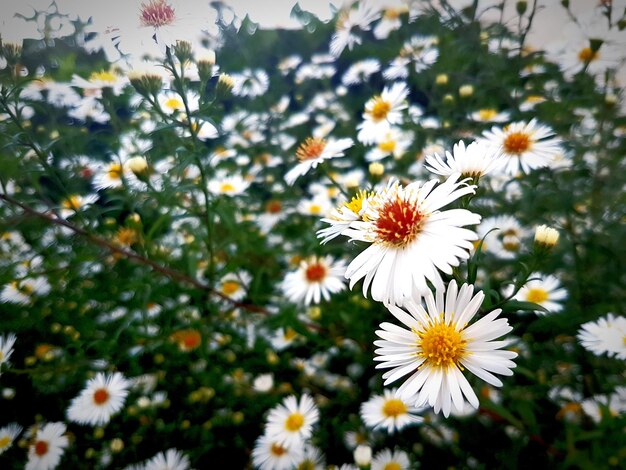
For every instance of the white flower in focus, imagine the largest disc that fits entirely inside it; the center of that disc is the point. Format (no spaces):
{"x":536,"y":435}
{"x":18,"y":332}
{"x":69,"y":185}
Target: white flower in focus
{"x":103,"y":396}
{"x":172,"y":459}
{"x":314,"y":151}
{"x":438,"y":345}
{"x":291,"y":422}
{"x":606,"y":335}
{"x":410,"y":239}
{"x":473,"y":161}
{"x":47,"y":447}
{"x":524,"y":146}
{"x":315,"y":278}
{"x":389,"y":411}
{"x":268,"y":454}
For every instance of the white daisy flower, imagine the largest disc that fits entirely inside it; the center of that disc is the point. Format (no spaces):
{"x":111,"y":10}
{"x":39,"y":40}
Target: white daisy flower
{"x":411,"y":240}
{"x":542,"y":290}
{"x":319,"y":205}
{"x":524,"y":146}
{"x":24,"y":291}
{"x":172,"y":459}
{"x":314,"y":151}
{"x":234,"y":285}
{"x":388,"y":460}
{"x":109,"y":175}
{"x":6,"y":347}
{"x":349,"y":19}
{"x":381,"y":112}
{"x":47,"y":447}
{"x":103,"y":396}
{"x":394,"y":143}
{"x":75,"y":202}
{"x":315,"y":278}
{"x":489,"y":115}
{"x":606,"y":335}
{"x":228,"y":185}
{"x":439,"y":344}
{"x":291,"y":422}
{"x":93,"y":85}
{"x":390,"y":21}
{"x":506,"y":241}
{"x":312,"y":459}
{"x":389,"y":411}
{"x":269,"y":454}
{"x":473,"y":161}
{"x":171,"y":102}
{"x":8,"y":434}
{"x":360,"y":72}
{"x":341,"y":217}
{"x":250,"y":83}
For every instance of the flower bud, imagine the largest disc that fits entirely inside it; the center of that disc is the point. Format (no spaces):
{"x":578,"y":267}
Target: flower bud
{"x":466,"y":90}
{"x":225,"y":84}
{"x":546,"y":236}
{"x":145,"y":83}
{"x":441,"y":79}
{"x":138,"y":165}
{"x":376,"y":169}
{"x":521,"y":7}
{"x":363,"y":455}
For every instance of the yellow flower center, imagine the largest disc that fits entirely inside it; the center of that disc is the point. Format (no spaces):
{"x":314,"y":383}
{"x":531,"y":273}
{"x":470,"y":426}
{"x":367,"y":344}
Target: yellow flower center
{"x":392,"y":466}
{"x":115,"y":171}
{"x":290,"y":334}
{"x":5,"y":441}
{"x":277,"y":450}
{"x":173,"y":103}
{"x":126,"y":236}
{"x":393,"y":408}
{"x":310,"y":149}
{"x":230,"y":287}
{"x":588,"y":55}
{"x":441,"y":344}
{"x":487,"y":114}
{"x":294,"y":422}
{"x":516,"y":142}
{"x":227,"y":188}
{"x":72,"y":202}
{"x":380,"y":109}
{"x":306,"y":465}
{"x":315,"y":209}
{"x":387,"y":146}
{"x":356,"y":204}
{"x":102,"y":76}
{"x":537,"y":295}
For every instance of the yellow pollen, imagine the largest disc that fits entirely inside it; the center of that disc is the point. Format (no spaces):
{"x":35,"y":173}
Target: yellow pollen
{"x":393,"y":408}
{"x":588,"y":55}
{"x":535,"y":99}
{"x":380,"y":109}
{"x":230,"y":287}
{"x":487,"y":114}
{"x":277,"y":449}
{"x":4,"y":441}
{"x":356,"y":203}
{"x":516,"y":142}
{"x":290,"y":334}
{"x":227,"y":187}
{"x":115,"y":171}
{"x":440,"y":344}
{"x":315,"y":209}
{"x":392,"y":466}
{"x":306,"y":465}
{"x":294,"y":422}
{"x":126,"y":236}
{"x":387,"y":146}
{"x":102,"y":76}
{"x":537,"y":295}
{"x":310,"y":149}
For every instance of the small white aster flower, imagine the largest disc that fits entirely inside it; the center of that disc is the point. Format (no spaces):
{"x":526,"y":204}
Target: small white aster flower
{"x":172,"y":459}
{"x":250,"y":83}
{"x":312,"y":459}
{"x":389,"y":411}
{"x":381,"y":112}
{"x":524,"y":146}
{"x":228,"y":185}
{"x":489,"y":115}
{"x":109,"y":175}
{"x":47,"y":447}
{"x":103,"y":396}
{"x":506,"y":240}
{"x":24,"y":291}
{"x":394,"y":143}
{"x":75,"y":202}
{"x":269,"y":454}
{"x":410,"y":239}
{"x":291,"y":423}
{"x":341,"y":217}
{"x":606,"y":335}
{"x":544,"y":290}
{"x":388,"y":460}
{"x":6,"y":347}
{"x":315,"y":279}
{"x":439,"y":344}
{"x":8,"y":434}
{"x":473,"y":161}
{"x":314,"y":151}
{"x":234,"y":285}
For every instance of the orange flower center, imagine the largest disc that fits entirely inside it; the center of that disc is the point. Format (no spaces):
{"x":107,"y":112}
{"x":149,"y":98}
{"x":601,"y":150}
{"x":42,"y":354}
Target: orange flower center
{"x":230,"y":287}
{"x":100,"y":396}
{"x":41,"y":448}
{"x":516,"y":142}
{"x":310,"y":149}
{"x":315,"y":272}
{"x":394,"y":408}
{"x":156,"y":13}
{"x":72,"y":202}
{"x":399,"y":223}
{"x":380,"y":109}
{"x":187,"y":339}
{"x":273,"y":207}
{"x":587,"y":54}
{"x":277,"y":450}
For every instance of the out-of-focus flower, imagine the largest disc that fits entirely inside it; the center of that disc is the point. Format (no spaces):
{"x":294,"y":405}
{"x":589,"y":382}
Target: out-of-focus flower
{"x":315,"y":279}
{"x":473,"y":161}
{"x":172,"y":459}
{"x":389,"y":411}
{"x":606,"y":335}
{"x":269,"y":454}
{"x":314,"y":151}
{"x":388,"y":460}
{"x":8,"y":434}
{"x":291,"y":423}
{"x":103,"y":396}
{"x":47,"y":447}
{"x":543,"y":290}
